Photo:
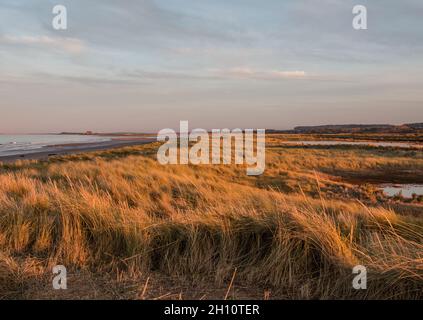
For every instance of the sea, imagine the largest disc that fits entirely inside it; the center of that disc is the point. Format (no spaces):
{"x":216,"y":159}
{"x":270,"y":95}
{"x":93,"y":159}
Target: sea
{"x":28,"y":143}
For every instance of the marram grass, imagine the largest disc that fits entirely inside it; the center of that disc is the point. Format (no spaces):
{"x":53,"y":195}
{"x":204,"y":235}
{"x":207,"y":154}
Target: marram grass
{"x":109,"y":212}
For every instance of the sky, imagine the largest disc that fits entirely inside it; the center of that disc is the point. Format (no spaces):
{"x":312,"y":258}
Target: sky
{"x":144,"y":65}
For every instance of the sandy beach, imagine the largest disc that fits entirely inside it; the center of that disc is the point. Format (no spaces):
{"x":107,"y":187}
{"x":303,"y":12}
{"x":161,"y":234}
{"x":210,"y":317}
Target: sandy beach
{"x":65,"y":149}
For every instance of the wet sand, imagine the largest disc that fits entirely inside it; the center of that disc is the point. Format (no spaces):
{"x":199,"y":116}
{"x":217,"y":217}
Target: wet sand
{"x":66,"y":149}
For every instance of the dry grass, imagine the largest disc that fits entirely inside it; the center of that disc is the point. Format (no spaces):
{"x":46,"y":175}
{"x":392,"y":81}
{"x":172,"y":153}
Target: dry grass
{"x":120,"y":215}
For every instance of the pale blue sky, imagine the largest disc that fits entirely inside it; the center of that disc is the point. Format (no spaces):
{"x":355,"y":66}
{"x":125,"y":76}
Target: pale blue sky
{"x":133,"y":65}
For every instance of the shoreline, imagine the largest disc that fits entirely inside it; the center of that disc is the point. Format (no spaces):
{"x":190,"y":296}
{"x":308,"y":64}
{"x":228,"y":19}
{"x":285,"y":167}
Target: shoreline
{"x":46,"y":152}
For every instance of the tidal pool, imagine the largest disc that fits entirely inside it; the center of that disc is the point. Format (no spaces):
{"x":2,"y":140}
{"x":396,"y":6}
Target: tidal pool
{"x":407,"y":190}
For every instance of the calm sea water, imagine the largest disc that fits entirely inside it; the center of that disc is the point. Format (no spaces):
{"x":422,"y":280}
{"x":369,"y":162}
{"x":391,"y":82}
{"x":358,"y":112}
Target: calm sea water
{"x":24,"y":144}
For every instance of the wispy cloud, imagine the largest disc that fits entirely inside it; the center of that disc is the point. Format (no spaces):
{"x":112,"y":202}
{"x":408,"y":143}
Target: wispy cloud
{"x":250,"y":73}
{"x":70,"y":45}
{"x":239,"y":73}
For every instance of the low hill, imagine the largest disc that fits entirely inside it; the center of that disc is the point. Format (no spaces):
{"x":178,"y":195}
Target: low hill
{"x":361,"y":128}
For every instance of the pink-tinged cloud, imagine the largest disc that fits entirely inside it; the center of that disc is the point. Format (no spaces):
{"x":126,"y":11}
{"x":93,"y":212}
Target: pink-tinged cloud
{"x":70,"y":45}
{"x":249,"y":73}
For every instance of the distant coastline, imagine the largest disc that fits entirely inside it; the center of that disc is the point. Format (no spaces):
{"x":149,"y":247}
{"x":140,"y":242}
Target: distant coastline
{"x":356,"y":128}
